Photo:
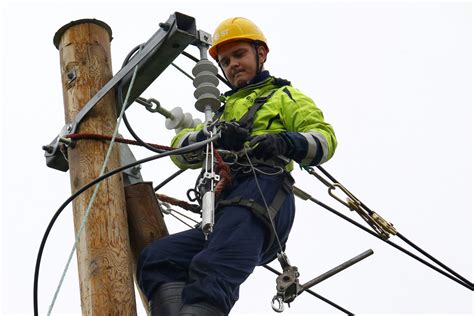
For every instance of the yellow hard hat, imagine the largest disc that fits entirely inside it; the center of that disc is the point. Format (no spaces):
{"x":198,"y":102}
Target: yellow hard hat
{"x":235,"y":29}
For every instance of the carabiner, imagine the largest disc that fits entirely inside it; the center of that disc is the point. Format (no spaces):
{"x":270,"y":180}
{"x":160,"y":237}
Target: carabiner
{"x":280,"y":307}
{"x":352,"y":202}
{"x":225,"y":154}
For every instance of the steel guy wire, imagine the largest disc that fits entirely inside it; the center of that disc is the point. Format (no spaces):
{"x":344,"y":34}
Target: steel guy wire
{"x":182,"y":221}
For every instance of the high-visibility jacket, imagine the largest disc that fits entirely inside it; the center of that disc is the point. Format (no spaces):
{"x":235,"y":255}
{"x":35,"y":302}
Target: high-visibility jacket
{"x":287,"y":111}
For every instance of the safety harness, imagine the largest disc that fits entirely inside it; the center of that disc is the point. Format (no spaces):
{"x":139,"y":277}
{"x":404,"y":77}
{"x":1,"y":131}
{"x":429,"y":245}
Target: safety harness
{"x":274,"y":166}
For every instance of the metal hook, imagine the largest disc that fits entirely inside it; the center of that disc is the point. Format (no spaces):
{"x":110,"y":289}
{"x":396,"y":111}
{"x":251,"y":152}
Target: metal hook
{"x":352,"y":202}
{"x":280,"y":307}
{"x":226,"y":154}
{"x":165,"y":207}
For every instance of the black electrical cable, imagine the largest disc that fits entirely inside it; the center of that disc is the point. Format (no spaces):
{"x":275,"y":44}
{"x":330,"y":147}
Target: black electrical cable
{"x":131,"y":53}
{"x":332,"y":210}
{"x":178,"y":151}
{"x":137,"y":138}
{"x":413,"y":245}
{"x":165,"y":182}
{"x":120,"y":94}
{"x":460,"y":277}
{"x":182,"y":71}
{"x":120,"y":101}
{"x":197,"y":60}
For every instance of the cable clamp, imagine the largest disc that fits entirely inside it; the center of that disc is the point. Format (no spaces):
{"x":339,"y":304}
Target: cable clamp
{"x":382,"y":227}
{"x":288,"y":286}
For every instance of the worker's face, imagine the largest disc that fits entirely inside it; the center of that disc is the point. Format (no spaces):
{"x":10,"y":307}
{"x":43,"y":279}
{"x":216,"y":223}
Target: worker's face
{"x":239,"y":62}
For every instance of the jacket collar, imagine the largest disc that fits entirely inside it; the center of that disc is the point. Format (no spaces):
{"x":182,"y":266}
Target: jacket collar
{"x":256,"y":80}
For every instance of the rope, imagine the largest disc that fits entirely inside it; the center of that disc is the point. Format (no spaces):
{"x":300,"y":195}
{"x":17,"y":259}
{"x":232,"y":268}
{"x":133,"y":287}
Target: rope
{"x":184,"y":205}
{"x":221,"y":167}
{"x":78,"y":136}
{"x":224,"y":172}
{"x":94,"y":194}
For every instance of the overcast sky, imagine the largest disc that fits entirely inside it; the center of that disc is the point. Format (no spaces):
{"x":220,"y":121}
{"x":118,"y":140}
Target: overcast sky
{"x":393,"y":78}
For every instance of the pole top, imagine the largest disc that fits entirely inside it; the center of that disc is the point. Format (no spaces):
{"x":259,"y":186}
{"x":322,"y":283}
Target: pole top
{"x":62,"y":30}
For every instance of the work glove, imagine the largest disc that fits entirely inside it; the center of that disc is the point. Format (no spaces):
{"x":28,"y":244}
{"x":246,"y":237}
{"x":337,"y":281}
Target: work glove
{"x":271,"y":145}
{"x":233,"y":136}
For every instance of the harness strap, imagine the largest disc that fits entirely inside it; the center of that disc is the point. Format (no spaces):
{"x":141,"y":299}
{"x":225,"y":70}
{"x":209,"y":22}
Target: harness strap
{"x":217,"y":115}
{"x":266,"y":216}
{"x":246,"y":121}
{"x":278,"y":82}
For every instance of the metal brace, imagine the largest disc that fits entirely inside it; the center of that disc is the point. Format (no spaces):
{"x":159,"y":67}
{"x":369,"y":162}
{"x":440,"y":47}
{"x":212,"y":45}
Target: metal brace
{"x":157,"y":54}
{"x":212,"y":175}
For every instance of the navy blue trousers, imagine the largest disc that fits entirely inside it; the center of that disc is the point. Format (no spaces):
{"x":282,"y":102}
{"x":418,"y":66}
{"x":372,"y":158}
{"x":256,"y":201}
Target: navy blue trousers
{"x":214,"y":269}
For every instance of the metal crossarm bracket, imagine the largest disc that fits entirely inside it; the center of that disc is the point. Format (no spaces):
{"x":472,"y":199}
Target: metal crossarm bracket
{"x":131,"y":175}
{"x":155,"y":56}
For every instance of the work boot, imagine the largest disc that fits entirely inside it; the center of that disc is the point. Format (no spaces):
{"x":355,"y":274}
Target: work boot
{"x":167,"y":299}
{"x":200,"y":309}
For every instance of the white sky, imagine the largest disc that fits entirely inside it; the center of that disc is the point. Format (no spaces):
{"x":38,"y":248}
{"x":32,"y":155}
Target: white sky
{"x":394,"y":79}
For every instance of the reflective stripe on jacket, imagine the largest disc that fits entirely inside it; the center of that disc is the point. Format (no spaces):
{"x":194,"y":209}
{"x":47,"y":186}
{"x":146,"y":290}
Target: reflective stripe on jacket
{"x":288,"y":111}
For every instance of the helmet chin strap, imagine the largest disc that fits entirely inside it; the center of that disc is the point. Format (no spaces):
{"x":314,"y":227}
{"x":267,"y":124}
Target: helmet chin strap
{"x":259,"y":66}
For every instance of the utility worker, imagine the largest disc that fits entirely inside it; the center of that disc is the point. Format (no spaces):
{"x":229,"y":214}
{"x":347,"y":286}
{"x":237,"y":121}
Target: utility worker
{"x":269,"y":121}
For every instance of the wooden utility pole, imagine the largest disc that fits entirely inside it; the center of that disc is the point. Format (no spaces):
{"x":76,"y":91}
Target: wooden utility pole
{"x":145,"y":222}
{"x":103,"y":251}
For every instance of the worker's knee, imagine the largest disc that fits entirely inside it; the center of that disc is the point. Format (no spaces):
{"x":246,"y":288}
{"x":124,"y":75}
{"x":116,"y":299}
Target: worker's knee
{"x":167,"y":260}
